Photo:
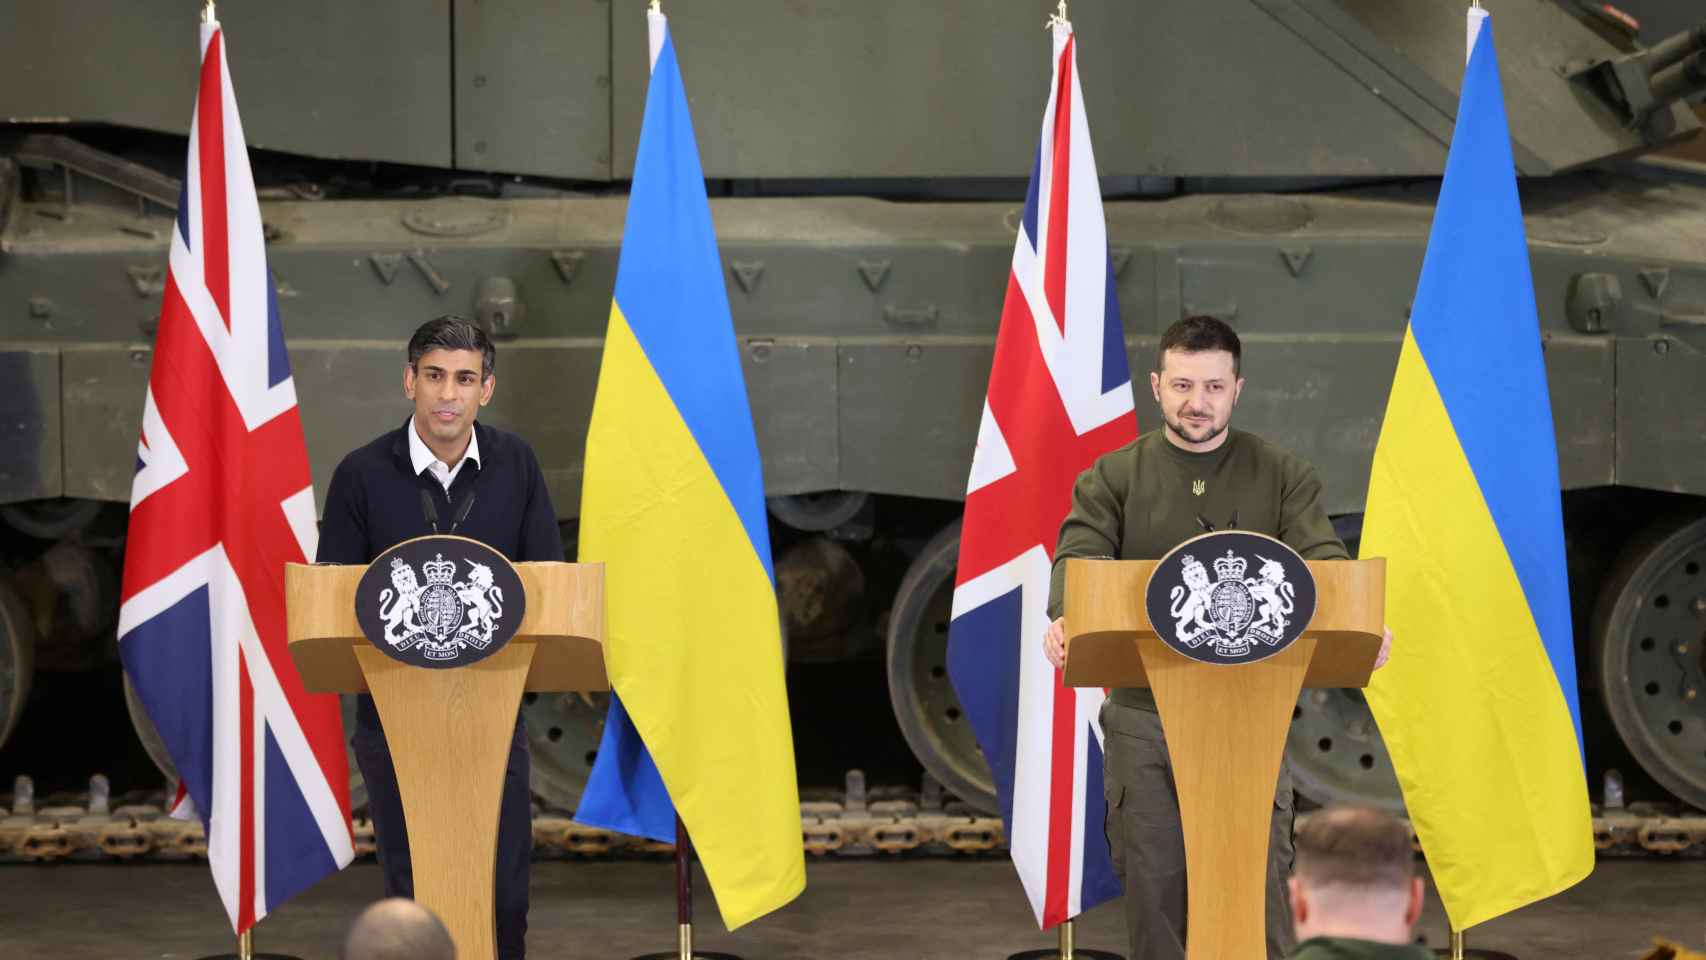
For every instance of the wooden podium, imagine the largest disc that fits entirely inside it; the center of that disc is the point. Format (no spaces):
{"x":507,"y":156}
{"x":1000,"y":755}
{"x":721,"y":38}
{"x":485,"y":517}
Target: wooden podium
{"x":1225,"y":724}
{"x":449,"y":729}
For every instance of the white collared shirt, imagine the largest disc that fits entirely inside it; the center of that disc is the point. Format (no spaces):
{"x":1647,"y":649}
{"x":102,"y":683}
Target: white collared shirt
{"x":422,"y":457}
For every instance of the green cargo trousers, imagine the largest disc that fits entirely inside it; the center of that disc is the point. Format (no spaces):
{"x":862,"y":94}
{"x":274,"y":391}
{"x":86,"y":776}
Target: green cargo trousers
{"x":1148,"y":846}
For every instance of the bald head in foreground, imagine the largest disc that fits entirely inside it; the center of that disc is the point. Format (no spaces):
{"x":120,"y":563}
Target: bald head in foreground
{"x":398,"y":929}
{"x":1354,"y":890}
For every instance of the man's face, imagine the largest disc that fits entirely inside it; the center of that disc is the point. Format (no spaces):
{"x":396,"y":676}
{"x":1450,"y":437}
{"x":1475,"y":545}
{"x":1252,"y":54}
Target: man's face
{"x":448,"y":392}
{"x":1197,"y":392}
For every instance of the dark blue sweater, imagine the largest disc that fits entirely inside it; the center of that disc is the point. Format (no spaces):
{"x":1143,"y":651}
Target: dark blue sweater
{"x":374,"y":502}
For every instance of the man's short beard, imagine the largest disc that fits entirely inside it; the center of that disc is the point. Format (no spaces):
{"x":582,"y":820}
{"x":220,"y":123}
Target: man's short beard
{"x":1176,"y":425}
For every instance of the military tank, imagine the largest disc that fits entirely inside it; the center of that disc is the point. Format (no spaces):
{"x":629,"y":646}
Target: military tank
{"x":1271,"y":162}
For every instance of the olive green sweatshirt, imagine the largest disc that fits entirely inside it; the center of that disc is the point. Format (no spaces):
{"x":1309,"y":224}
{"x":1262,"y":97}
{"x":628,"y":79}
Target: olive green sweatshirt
{"x":1346,"y":948}
{"x":1149,"y":496}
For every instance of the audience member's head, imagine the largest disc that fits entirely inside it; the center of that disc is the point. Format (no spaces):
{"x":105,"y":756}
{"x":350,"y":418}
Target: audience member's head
{"x":398,"y":929}
{"x":1355,"y":876}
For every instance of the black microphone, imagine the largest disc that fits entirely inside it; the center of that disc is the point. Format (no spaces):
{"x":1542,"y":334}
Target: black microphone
{"x":462,"y":511}
{"x":430,"y":511}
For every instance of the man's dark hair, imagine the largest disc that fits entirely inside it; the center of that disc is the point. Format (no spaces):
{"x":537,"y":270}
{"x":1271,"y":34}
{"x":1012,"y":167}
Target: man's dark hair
{"x":452,"y":332}
{"x":1358,"y":847}
{"x":398,"y":929}
{"x":1197,"y":334}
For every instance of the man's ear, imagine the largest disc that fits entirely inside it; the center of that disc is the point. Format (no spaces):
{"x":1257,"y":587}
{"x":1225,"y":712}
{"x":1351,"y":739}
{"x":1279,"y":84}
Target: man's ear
{"x":1155,"y":385}
{"x":1299,"y":902}
{"x":1413,"y":909}
{"x":409,"y":380}
{"x":486,"y":389}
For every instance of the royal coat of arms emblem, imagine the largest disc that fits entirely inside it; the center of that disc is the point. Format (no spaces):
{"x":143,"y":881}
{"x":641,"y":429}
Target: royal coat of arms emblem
{"x":444,"y":617}
{"x":443,"y":611}
{"x":1231,"y":616}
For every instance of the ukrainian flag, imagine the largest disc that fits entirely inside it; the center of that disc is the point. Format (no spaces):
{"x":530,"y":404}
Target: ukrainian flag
{"x":673,"y":504}
{"x":1478,"y":704}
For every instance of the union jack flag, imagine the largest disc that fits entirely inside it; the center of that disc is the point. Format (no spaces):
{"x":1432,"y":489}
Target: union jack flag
{"x":1059,"y":396}
{"x":220,"y":502}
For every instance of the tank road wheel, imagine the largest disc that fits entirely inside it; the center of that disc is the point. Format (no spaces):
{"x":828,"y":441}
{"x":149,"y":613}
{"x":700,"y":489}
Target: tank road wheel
{"x":1334,"y":747}
{"x":147,"y":733}
{"x":17,"y":658}
{"x":156,"y":747}
{"x":564,"y":730}
{"x":1336,"y":752}
{"x":1649,"y":648}
{"x":924,"y":700}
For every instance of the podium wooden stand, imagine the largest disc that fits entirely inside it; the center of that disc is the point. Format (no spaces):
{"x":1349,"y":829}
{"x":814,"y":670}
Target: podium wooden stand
{"x":1225,"y":725}
{"x":449,"y":729}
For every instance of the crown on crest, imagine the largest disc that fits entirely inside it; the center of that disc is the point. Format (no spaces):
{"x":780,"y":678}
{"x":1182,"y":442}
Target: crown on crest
{"x":398,"y":564}
{"x":1230,"y":567}
{"x":444,"y":571}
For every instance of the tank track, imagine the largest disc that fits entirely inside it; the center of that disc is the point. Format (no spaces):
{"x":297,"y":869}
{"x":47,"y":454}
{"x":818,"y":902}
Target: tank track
{"x":855,"y":823}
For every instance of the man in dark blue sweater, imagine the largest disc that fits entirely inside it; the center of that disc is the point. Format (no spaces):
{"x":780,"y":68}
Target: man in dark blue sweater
{"x":488,"y":484}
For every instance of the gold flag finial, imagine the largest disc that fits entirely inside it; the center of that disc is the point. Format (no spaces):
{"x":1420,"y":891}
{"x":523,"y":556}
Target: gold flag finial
{"x":208,"y":13}
{"x":656,"y":7}
{"x":1059,"y":16}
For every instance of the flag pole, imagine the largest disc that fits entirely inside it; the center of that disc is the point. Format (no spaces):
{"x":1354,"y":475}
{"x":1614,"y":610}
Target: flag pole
{"x":684,"y":900}
{"x":1458,"y":950}
{"x":1456,"y":946}
{"x":246,"y":939}
{"x":246,"y":950}
{"x":1059,"y":16}
{"x":1067,"y":931}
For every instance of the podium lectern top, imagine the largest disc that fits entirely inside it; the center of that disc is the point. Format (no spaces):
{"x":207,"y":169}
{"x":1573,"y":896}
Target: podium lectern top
{"x":564,"y":619}
{"x":1106,"y":617}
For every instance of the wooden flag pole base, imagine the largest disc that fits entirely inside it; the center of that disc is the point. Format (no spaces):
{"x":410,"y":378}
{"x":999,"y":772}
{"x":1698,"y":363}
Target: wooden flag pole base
{"x":684,"y":905}
{"x":1068,"y":949}
{"x":246,"y":950}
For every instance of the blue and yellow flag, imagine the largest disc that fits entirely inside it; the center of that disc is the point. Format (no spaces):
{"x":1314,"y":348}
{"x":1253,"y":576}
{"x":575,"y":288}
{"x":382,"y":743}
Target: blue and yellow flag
{"x":1478,"y":705}
{"x":673,"y":504}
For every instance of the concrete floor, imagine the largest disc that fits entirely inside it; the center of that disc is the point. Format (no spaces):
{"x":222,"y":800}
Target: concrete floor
{"x":918,"y":909}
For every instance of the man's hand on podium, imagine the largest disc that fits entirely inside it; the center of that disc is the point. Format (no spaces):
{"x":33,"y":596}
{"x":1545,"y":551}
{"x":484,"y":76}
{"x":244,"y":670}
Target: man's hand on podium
{"x":1385,"y":649}
{"x":1054,"y":643}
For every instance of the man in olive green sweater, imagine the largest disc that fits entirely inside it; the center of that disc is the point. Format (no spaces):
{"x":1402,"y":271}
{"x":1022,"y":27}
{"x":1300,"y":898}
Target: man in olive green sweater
{"x":1195,"y":474}
{"x":1355,"y":895}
